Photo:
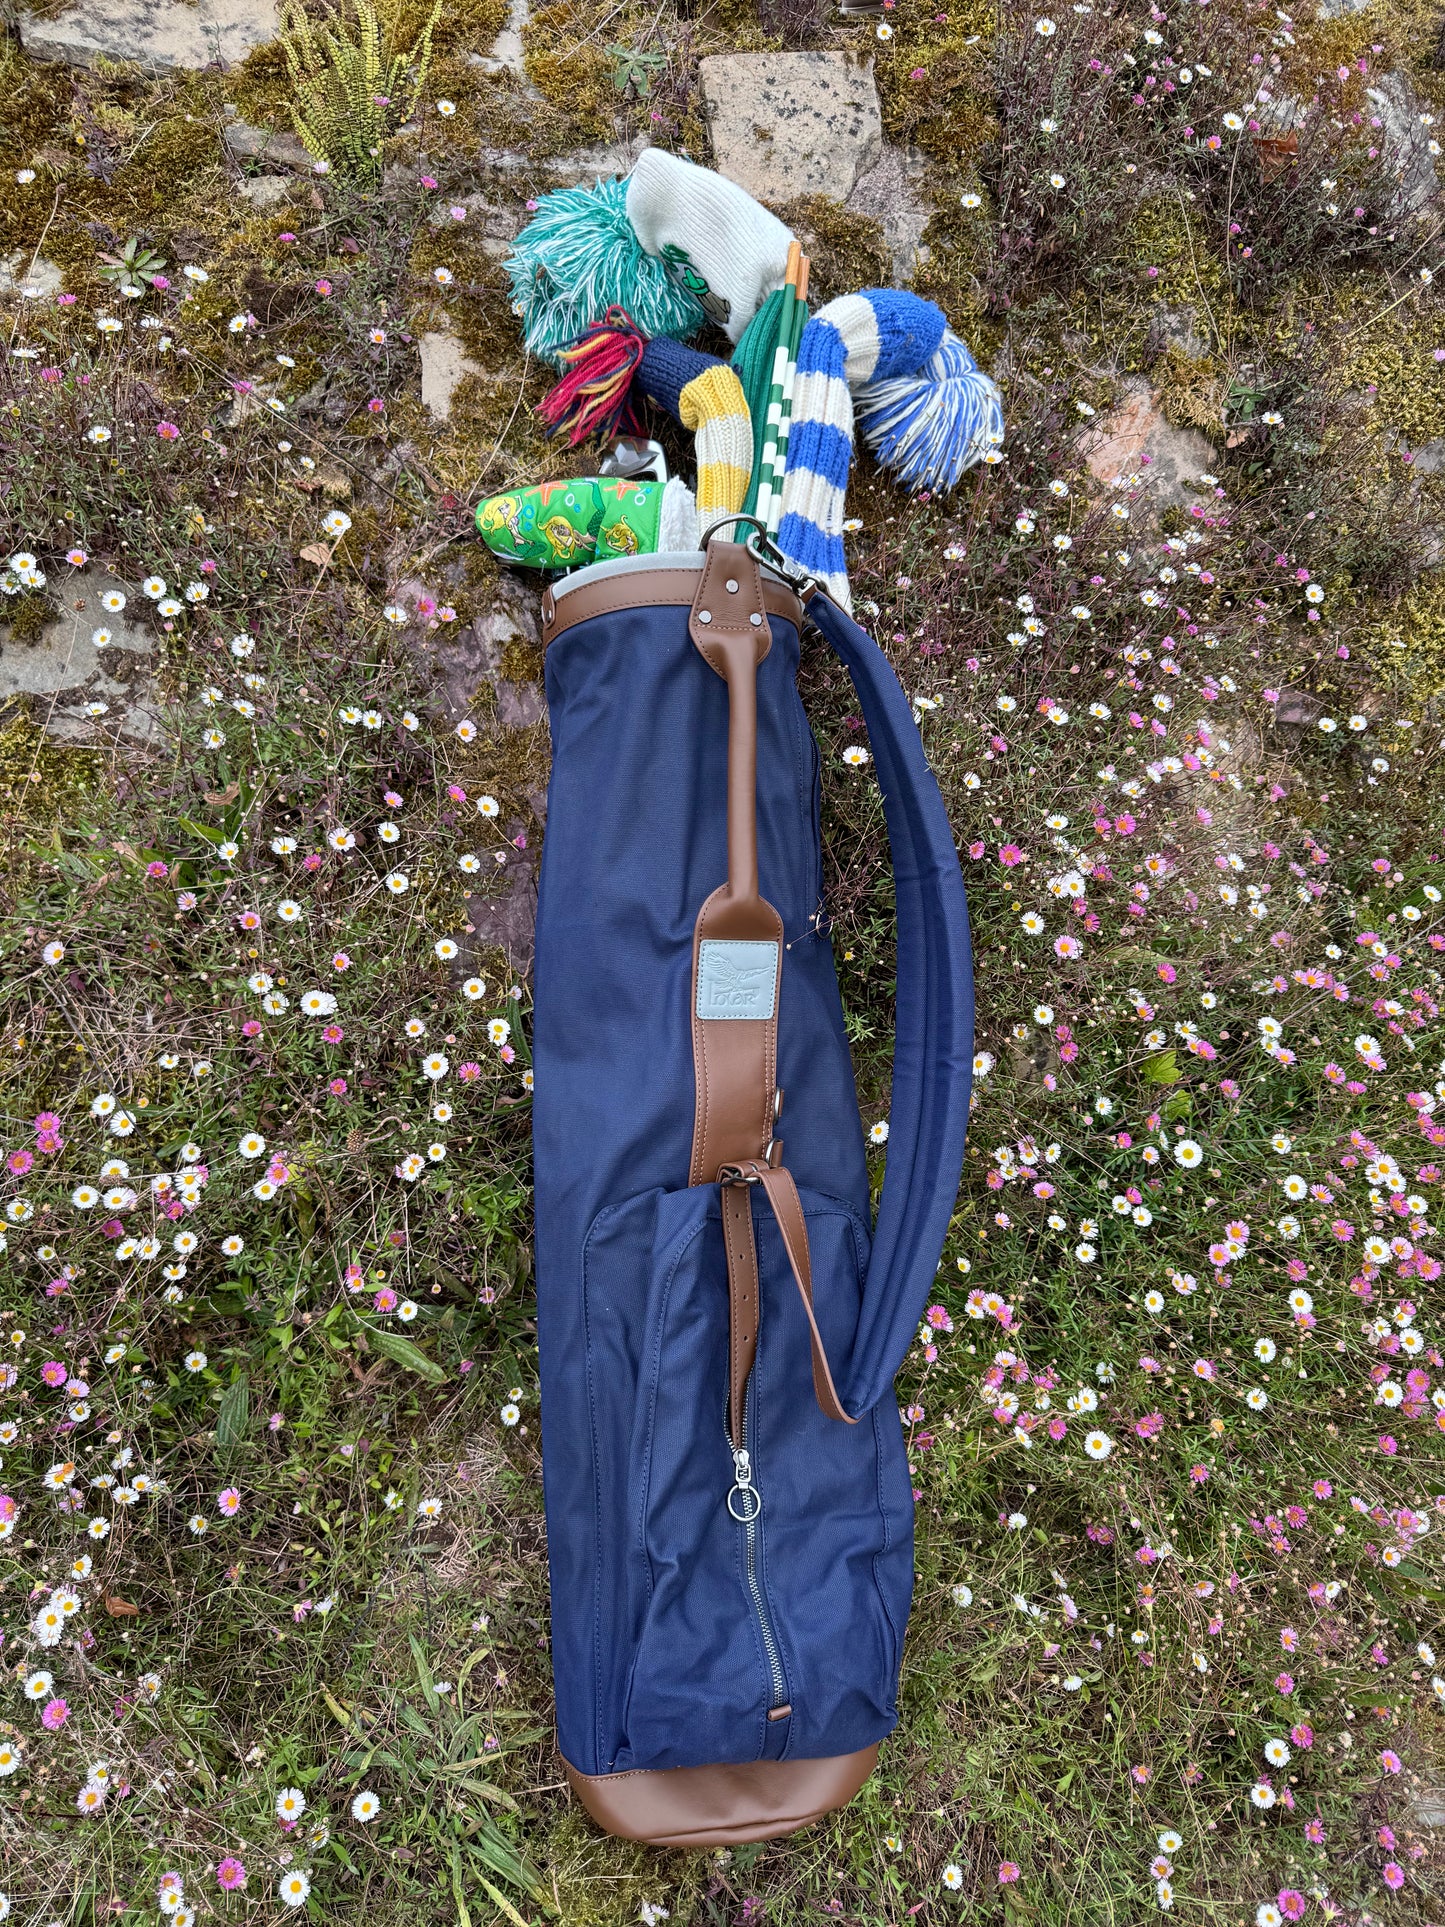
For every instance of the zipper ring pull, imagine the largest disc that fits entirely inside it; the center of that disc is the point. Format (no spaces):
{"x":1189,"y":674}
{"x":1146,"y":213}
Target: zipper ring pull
{"x":748,"y":1492}
{"x":743,"y":1467}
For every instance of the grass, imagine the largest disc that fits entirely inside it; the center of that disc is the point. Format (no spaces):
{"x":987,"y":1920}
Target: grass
{"x":1175,"y":1416}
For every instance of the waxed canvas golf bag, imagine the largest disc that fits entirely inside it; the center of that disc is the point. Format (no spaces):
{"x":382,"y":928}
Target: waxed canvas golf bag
{"x":729,"y":1512}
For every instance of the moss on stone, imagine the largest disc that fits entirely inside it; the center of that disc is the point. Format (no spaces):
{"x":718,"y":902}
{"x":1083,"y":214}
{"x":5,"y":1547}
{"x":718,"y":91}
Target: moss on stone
{"x":845,"y":250}
{"x":1391,"y":354}
{"x":1167,"y":233}
{"x":170,"y":164}
{"x":521,"y":660}
{"x":462,"y":26}
{"x":566,"y":61}
{"x":1343,"y":39}
{"x":1191,"y":389}
{"x":1405,"y":645}
{"x":37,"y":775}
{"x":29,"y":616}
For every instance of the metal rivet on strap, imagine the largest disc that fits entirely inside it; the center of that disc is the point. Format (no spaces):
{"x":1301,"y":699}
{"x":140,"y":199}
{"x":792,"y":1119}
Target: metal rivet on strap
{"x":756,"y":620}
{"x":732,"y":588}
{"x":704,"y":615}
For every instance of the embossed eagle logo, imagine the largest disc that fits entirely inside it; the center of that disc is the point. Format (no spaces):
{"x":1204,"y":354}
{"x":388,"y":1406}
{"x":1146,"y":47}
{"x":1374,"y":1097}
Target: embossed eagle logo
{"x":737,"y":976}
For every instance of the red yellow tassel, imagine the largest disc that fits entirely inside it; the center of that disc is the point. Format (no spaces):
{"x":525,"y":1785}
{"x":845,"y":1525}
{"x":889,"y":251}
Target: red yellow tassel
{"x":594,"y":394}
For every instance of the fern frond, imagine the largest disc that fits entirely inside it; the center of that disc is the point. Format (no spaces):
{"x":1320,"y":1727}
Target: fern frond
{"x":351,"y":88}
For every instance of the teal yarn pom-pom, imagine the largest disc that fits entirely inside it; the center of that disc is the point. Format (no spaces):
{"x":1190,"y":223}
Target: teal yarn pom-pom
{"x":577,"y":257}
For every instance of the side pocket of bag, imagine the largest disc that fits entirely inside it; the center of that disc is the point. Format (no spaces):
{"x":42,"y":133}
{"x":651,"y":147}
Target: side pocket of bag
{"x":718,"y":1639}
{"x":840,"y":1502}
{"x":680,"y":1677}
{"x":617,"y":1271}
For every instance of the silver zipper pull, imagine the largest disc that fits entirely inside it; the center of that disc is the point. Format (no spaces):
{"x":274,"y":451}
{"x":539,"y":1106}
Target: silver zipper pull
{"x":752,"y":1500}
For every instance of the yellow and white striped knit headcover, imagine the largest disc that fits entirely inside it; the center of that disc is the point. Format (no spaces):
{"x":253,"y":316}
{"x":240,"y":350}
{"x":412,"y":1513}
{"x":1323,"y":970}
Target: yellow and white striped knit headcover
{"x":714,"y":407}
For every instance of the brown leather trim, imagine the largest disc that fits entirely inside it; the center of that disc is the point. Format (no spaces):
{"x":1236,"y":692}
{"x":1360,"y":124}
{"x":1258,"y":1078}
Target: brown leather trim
{"x":735,"y":1060}
{"x":647,"y":588}
{"x":743,"y":1291}
{"x":728,"y":605}
{"x":742,"y":1260}
{"x":721,"y":1806}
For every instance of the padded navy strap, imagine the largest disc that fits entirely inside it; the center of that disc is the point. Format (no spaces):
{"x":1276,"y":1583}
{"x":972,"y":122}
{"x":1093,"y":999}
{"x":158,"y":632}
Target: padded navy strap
{"x":933,"y":1047}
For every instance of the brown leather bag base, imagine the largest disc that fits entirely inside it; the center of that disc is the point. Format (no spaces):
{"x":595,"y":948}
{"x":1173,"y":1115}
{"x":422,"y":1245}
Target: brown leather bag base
{"x":721,"y":1806}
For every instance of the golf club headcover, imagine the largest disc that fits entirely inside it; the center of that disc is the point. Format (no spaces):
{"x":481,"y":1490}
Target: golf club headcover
{"x":723,"y":246}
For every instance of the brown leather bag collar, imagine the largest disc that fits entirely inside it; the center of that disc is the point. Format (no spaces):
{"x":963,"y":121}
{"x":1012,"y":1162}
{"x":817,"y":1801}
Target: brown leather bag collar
{"x":642,"y":588}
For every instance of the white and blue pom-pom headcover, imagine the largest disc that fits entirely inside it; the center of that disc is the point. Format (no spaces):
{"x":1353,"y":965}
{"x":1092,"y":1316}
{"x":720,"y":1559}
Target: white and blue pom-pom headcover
{"x":929,"y":413}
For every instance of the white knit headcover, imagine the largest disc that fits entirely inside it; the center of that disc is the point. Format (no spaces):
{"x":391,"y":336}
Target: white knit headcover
{"x":739,"y":249}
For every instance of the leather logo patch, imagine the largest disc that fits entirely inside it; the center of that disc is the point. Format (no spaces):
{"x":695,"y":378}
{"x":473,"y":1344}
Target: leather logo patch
{"x":736,"y":978}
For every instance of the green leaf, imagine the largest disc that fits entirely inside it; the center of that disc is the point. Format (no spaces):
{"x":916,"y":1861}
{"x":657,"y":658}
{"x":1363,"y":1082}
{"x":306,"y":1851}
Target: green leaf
{"x":424,"y":1672}
{"x":485,"y":1791}
{"x":203,"y":830}
{"x":502,"y":1901}
{"x":1162,"y":1068}
{"x":234,"y":1417}
{"x":401,"y":1351}
{"x":464,"y":1919}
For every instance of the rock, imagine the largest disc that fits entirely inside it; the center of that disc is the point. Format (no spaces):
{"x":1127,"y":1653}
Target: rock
{"x":885,"y":194}
{"x":788,"y":125}
{"x":62,"y":670}
{"x":1297,"y":709}
{"x":251,"y":401}
{"x":582,"y":166}
{"x":1396,"y":109}
{"x":154,"y":33}
{"x":506,"y":55}
{"x":471,"y":657}
{"x":1430,"y":1806}
{"x":444,"y":364}
{"x":1174,"y":328}
{"x":507,"y":918}
{"x":250,"y":143}
{"x":520,"y":705}
{"x":463,"y":662}
{"x":1333,"y":9}
{"x":1279,"y":115}
{"x":1136,"y":439}
{"x":264,"y":190}
{"x":32,"y":279}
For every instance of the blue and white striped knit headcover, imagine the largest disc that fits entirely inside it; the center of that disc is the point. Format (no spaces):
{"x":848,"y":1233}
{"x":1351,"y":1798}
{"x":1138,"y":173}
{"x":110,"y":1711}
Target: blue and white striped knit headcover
{"x":928,"y":412}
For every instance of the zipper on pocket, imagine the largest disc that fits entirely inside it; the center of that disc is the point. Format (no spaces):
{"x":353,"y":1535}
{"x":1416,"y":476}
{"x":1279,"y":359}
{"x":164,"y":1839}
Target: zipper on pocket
{"x":745,"y":1503}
